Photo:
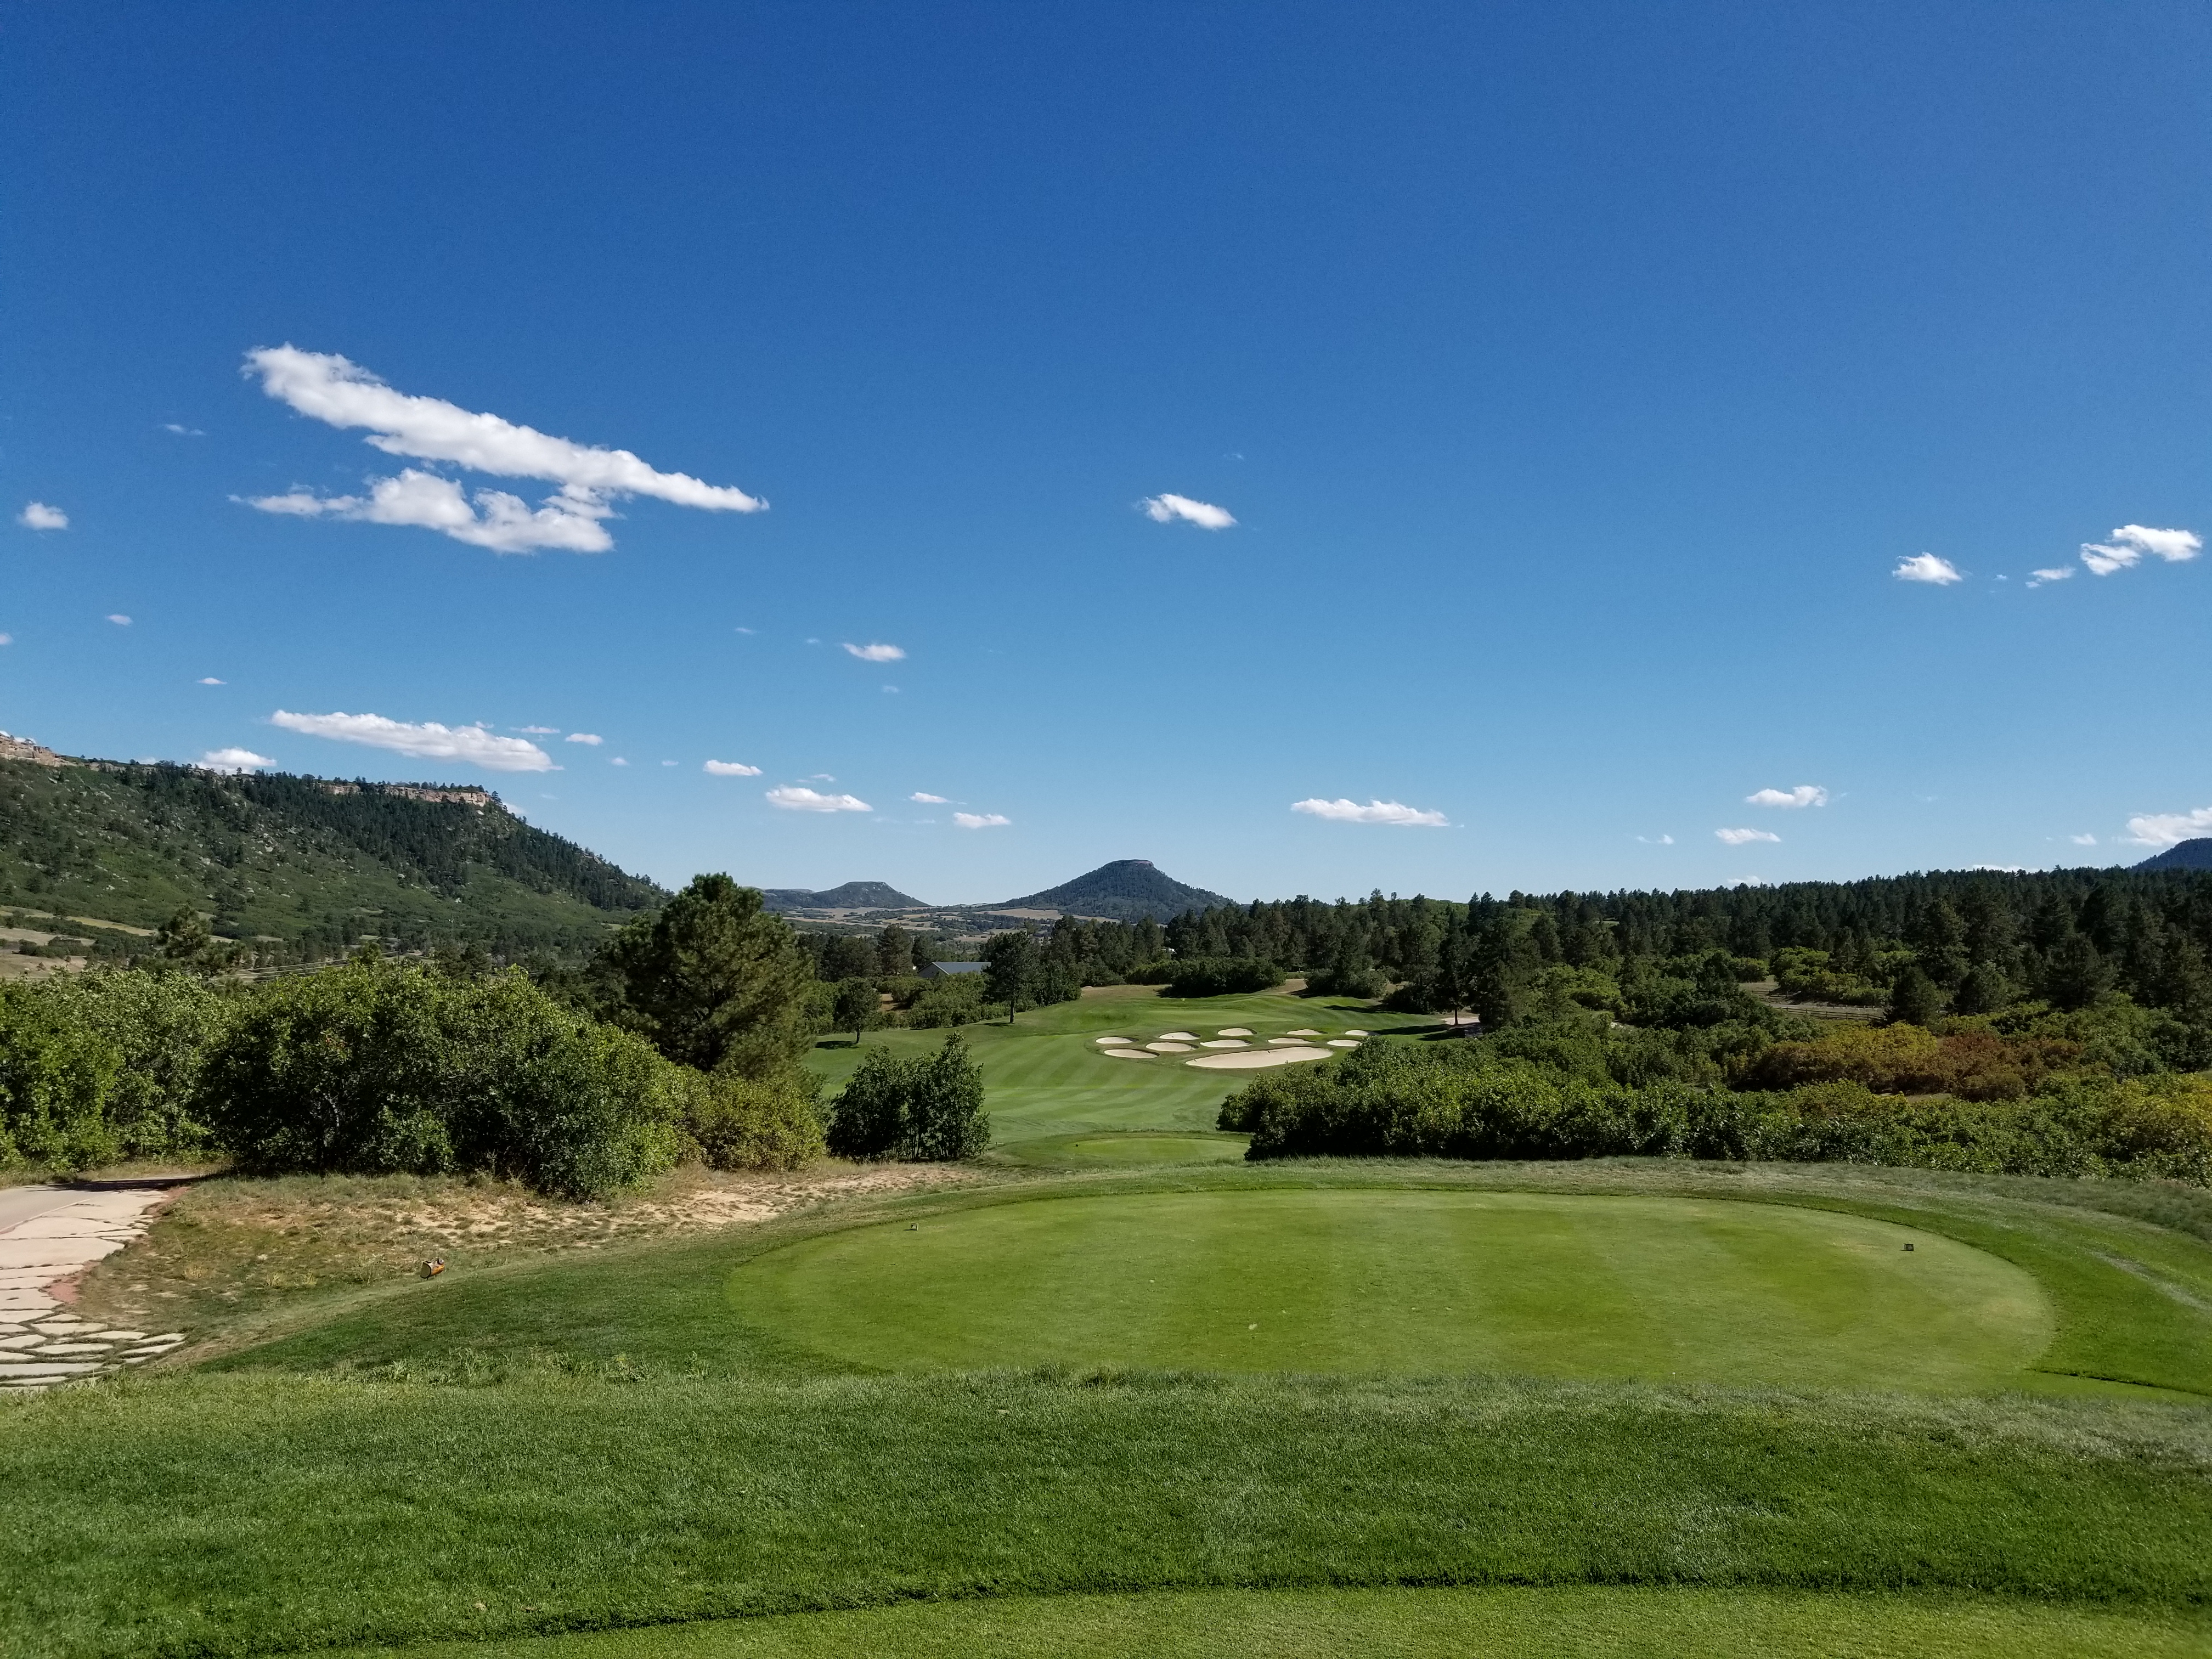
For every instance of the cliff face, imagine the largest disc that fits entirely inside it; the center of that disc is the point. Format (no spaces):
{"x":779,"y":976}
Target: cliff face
{"x":22,"y":749}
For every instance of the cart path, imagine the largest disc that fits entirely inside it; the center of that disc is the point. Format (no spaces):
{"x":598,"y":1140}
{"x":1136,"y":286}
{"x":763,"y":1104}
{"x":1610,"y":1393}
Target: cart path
{"x":48,"y":1236}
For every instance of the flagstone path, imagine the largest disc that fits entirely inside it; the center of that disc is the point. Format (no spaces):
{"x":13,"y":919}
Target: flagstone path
{"x":57,"y":1233}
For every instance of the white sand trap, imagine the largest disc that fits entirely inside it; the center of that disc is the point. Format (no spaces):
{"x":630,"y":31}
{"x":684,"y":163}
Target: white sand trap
{"x":1342,"y":1042}
{"x":1287,"y":1042}
{"x":1356,"y":1034}
{"x":1106,"y":1042}
{"x":1309,"y":1031}
{"x":1232,"y":1031}
{"x":1252,"y":1059}
{"x":1125,"y":1054}
{"x":1169,"y":1048}
{"x":1178,"y":1036}
{"x":1226,"y":1043}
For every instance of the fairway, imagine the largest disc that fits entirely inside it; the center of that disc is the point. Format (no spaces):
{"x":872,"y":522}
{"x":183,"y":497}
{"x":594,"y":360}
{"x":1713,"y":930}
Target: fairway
{"x":1675,"y":1290}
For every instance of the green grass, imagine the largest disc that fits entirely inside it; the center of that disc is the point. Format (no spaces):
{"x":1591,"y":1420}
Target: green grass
{"x":1414,"y":1282}
{"x":1592,"y":1622}
{"x":249,"y":1514}
{"x":1044,"y":1075}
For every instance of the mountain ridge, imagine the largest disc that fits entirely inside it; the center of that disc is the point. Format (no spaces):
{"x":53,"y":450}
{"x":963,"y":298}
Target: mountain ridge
{"x":1123,"y":889}
{"x":2195,"y":854}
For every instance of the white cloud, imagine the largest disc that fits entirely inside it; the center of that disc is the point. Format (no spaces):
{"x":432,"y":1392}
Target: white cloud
{"x":749,"y":630}
{"x":668,"y":763}
{"x":1376,"y":811}
{"x":118,"y":618}
{"x":182,"y":431}
{"x":2082,"y":841}
{"x":2131,"y":541}
{"x":794,"y":798}
{"x":875,"y":653}
{"x":891,"y":690}
{"x":425,"y":740}
{"x":592,"y":737}
{"x":732,"y":769}
{"x":1167,"y":509}
{"x":1656,"y":841}
{"x":1805,"y":794}
{"x":2164,"y":828}
{"x":619,"y":760}
{"x":1926,"y":568}
{"x":343,"y":394}
{"x":1739,"y":837}
{"x":931,"y":801}
{"x":37,"y":515}
{"x":820,"y":777}
{"x":538,"y":730}
{"x":2056,"y":573}
{"x":7,"y":639}
{"x":234,"y":760}
{"x":212,"y":680}
{"x":425,"y":500}
{"x":982,"y":820}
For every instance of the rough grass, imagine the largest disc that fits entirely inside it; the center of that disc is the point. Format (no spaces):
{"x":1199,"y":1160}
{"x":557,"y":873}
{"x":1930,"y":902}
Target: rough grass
{"x":1592,"y":1622}
{"x":249,"y":1514}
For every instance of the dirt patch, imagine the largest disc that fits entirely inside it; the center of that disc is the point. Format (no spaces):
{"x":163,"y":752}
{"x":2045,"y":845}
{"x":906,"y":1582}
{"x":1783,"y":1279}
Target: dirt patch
{"x":233,"y":1246}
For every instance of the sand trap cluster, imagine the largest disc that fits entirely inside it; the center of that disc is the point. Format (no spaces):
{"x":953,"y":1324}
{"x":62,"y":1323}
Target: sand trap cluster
{"x":1235,"y":1049}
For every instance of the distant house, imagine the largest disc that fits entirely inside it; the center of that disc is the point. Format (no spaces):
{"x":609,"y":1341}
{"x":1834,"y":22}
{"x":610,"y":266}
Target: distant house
{"x":951,"y":969}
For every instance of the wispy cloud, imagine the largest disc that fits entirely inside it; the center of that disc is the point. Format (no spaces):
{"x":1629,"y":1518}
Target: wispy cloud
{"x":2131,"y":541}
{"x":591,"y":738}
{"x":2058,"y":572}
{"x":37,"y":515}
{"x":982,"y":820}
{"x":1656,"y":841}
{"x":1167,"y":509}
{"x":538,"y":730}
{"x":929,"y":800}
{"x":210,"y":680}
{"x":794,"y":798}
{"x":181,"y":430}
{"x":1926,"y":568}
{"x":875,"y":653}
{"x":2164,"y":828}
{"x":619,"y":760}
{"x":1805,"y":794}
{"x":732,"y":769}
{"x":7,"y":639}
{"x":118,"y":618}
{"x":1376,"y":811}
{"x":1742,"y":837}
{"x":2082,"y":841}
{"x":424,"y":740}
{"x":343,"y":394}
{"x":234,"y":760}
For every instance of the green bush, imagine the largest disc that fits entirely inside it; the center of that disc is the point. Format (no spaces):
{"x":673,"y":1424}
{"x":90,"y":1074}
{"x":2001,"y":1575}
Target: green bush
{"x":377,"y":1068}
{"x":922,"y":1109}
{"x":55,"y":1074}
{"x":739,"y":1123}
{"x":1215,"y":976}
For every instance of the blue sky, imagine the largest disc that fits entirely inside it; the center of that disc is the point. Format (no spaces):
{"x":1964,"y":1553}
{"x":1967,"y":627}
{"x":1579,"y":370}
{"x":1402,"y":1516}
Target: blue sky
{"x":1577,"y":378}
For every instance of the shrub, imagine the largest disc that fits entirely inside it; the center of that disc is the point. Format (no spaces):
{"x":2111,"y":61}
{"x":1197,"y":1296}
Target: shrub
{"x":740,"y":1123}
{"x":55,"y":1076}
{"x":1215,"y":976}
{"x":924,"y":1109}
{"x":1970,"y":1062}
{"x":379,"y":1068}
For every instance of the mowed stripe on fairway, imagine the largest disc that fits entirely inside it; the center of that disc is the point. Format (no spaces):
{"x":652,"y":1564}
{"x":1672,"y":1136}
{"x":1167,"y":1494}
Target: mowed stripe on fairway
{"x":1412,"y":1282}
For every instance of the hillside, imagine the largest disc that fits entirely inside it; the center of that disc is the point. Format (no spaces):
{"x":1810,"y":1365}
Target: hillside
{"x":2183,"y":855}
{"x":309,"y":866}
{"x":1127,"y":890}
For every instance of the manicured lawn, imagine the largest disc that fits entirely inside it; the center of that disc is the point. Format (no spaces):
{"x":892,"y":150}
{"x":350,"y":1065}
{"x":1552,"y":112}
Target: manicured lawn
{"x":251,"y":1514}
{"x":1585,"y":1622}
{"x":1416,"y":1282}
{"x":1045,"y":1076}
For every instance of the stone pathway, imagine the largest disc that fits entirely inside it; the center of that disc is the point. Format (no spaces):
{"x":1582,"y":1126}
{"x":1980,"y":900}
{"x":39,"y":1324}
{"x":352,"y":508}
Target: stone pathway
{"x":42,"y":1339}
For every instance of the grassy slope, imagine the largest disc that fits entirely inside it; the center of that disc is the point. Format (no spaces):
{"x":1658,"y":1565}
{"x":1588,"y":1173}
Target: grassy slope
{"x":242,"y":1514}
{"x":1596,"y":1623}
{"x":1045,"y":1077}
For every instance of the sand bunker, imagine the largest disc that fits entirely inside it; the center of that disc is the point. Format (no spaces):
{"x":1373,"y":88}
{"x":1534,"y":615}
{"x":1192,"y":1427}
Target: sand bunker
{"x":1355,"y":1034}
{"x":1253,"y":1058}
{"x":1307,"y":1031}
{"x":1287,"y":1042}
{"x":1226,"y":1043}
{"x":1169,"y":1048}
{"x":1232,"y":1031}
{"x":1342,"y":1042}
{"x":1178,"y":1036}
{"x":1108,"y":1041}
{"x":1125,"y":1054}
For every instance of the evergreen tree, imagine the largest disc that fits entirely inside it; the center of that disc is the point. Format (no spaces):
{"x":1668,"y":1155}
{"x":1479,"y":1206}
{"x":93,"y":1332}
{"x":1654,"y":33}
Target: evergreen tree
{"x":857,"y":1008}
{"x":1914,"y":998}
{"x":714,"y":981}
{"x":1010,"y":969}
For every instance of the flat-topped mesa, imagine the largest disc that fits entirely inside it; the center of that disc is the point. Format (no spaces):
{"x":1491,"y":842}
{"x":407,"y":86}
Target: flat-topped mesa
{"x":22,"y":749}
